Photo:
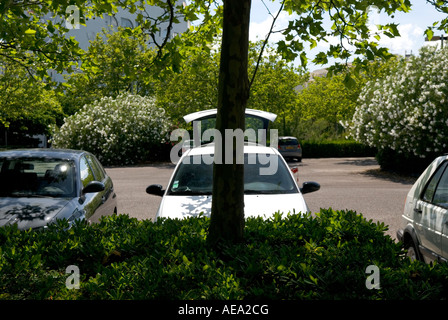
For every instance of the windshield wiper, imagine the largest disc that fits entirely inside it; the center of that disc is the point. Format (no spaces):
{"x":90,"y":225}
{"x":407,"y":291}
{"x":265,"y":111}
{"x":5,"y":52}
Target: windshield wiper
{"x":249,"y":191}
{"x":27,"y":195}
{"x":190,"y":193}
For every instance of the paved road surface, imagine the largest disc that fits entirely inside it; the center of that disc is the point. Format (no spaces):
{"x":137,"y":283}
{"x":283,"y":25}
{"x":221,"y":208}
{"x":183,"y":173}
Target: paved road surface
{"x":357,"y":184}
{"x":346,"y":183}
{"x":130,"y":185}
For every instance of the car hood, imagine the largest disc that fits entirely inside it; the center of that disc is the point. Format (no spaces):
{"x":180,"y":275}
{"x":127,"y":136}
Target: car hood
{"x":264,"y":205}
{"x":30,"y":212}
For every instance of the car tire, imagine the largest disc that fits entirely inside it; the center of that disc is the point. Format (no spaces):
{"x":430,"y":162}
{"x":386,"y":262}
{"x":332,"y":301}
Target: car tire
{"x":412,"y":251}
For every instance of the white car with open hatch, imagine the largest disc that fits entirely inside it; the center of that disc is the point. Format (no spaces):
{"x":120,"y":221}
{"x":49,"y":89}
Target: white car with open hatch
{"x":269,"y":186}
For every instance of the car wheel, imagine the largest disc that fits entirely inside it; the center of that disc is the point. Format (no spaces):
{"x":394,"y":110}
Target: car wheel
{"x":412,"y":252}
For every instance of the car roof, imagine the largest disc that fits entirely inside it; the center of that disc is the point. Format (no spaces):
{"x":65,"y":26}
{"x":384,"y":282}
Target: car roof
{"x":44,"y":153}
{"x":287,"y":137}
{"x":248,"y":148}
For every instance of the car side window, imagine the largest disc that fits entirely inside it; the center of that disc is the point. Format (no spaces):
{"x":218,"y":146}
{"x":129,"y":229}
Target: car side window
{"x":97,"y":170}
{"x":441,"y":194}
{"x":86,"y":173}
{"x":433,"y":184}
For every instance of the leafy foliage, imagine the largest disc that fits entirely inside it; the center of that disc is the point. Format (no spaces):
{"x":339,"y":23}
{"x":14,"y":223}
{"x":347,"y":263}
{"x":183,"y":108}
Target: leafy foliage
{"x":112,"y":64}
{"x":321,"y":256}
{"x":195,"y":86}
{"x":30,"y":26}
{"x":118,"y":131}
{"x":328,"y":98}
{"x":26,"y":105}
{"x":40,"y":27}
{"x":349,"y":20}
{"x":274,"y":88}
{"x":441,"y":6}
{"x":322,"y":104}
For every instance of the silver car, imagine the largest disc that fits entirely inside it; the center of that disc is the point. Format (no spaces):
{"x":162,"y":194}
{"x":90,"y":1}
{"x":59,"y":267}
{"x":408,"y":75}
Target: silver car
{"x":289,"y":147}
{"x":425,"y":217}
{"x":40,"y":186}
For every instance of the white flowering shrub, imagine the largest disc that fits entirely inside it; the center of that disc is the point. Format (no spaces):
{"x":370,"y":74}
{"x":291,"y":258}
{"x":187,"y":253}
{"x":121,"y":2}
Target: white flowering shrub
{"x":123,"y":130}
{"x":406,"y":110}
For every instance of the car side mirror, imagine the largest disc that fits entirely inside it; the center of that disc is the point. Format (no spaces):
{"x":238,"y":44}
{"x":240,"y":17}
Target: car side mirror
{"x":309,"y":187}
{"x":93,"y":186}
{"x":155,"y":189}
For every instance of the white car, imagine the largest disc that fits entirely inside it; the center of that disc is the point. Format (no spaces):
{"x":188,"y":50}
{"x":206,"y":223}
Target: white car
{"x":425,"y":217}
{"x":189,"y":192}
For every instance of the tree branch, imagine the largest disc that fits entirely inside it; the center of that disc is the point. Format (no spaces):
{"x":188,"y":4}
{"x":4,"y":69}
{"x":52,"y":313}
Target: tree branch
{"x":439,"y":7}
{"x":266,"y":41}
{"x":23,"y":65}
{"x":168,"y":30}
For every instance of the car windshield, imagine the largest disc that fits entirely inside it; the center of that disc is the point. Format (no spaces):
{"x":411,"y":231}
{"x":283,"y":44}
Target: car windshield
{"x":194,"y":177}
{"x":37,"y":177}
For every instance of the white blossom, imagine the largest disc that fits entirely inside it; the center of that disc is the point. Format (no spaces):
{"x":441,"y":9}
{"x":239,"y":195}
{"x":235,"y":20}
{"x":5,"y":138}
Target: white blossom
{"x":118,"y":131}
{"x":406,"y":110}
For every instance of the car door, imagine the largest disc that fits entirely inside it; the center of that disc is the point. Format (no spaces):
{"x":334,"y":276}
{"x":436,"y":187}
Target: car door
{"x":107,"y":196}
{"x":445,"y":237}
{"x":440,"y":200}
{"x":91,"y":201}
{"x":431,"y":210}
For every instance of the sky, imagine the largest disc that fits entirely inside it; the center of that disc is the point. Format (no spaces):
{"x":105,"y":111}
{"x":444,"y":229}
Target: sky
{"x":411,"y":26}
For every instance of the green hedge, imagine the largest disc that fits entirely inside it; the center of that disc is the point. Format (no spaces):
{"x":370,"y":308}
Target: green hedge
{"x":320,"y":256}
{"x":335,"y":149}
{"x":390,"y":160}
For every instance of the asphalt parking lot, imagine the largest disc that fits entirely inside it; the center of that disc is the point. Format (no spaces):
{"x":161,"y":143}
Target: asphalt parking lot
{"x":357,"y":184}
{"x":346,"y":183}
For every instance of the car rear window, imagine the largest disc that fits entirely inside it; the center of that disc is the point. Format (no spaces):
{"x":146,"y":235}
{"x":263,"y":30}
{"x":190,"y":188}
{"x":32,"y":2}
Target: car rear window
{"x":288,"y":142}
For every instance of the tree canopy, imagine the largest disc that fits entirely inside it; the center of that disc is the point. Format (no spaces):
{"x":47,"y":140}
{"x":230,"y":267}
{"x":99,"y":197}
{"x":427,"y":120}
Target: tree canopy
{"x":25,"y":105}
{"x":41,"y":27}
{"x":108,"y":67}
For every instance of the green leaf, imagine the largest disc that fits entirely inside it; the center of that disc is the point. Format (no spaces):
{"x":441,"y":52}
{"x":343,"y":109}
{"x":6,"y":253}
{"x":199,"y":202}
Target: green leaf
{"x":50,"y":27}
{"x":303,"y":59}
{"x":349,"y":82}
{"x":429,"y":34}
{"x":185,"y":259}
{"x":314,"y":280}
{"x":30,"y":32}
{"x":393,"y":27}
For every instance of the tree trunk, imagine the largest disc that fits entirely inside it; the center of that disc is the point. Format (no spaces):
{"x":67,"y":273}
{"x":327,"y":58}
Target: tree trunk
{"x":227,"y":217}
